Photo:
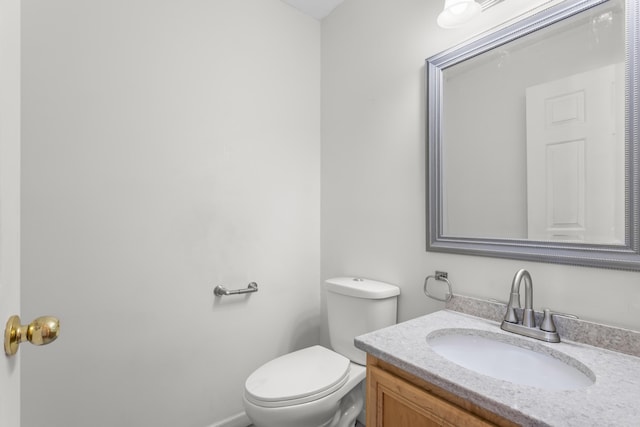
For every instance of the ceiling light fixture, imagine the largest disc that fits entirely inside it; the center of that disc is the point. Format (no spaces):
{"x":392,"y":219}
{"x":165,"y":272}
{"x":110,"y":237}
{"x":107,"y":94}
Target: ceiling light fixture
{"x":458,"y":12}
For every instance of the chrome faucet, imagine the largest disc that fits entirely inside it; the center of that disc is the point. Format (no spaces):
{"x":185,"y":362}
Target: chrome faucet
{"x":528,"y":318}
{"x":527,"y":327}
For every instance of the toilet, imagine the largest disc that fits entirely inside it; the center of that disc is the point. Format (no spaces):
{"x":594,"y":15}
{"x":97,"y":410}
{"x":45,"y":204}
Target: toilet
{"x":316,"y":386}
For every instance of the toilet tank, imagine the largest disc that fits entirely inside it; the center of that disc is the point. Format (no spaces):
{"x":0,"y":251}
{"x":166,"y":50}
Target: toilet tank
{"x":356,"y":306}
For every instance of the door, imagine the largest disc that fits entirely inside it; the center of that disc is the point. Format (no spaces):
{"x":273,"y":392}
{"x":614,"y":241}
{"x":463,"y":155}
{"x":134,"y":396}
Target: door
{"x":575,"y":125}
{"x":9,"y":201}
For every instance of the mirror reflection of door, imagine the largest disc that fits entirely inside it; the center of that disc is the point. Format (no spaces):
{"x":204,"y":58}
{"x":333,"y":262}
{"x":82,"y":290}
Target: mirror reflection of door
{"x":575,"y":157}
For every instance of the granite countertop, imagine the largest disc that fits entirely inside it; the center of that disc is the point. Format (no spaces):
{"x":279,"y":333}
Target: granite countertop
{"x":611,"y":401}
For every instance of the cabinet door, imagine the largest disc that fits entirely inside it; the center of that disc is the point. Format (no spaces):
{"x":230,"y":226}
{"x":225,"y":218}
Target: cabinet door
{"x":393,"y":402}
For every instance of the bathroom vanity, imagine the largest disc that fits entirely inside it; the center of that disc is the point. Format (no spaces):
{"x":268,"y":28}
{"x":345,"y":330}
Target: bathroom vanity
{"x":410,"y":384}
{"x":399,"y":399}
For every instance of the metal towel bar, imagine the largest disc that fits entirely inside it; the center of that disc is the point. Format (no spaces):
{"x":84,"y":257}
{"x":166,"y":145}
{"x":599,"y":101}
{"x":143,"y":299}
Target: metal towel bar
{"x":221,"y":291}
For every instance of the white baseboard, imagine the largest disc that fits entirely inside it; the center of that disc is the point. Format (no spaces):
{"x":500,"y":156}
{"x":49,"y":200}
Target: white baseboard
{"x":238,"y":420}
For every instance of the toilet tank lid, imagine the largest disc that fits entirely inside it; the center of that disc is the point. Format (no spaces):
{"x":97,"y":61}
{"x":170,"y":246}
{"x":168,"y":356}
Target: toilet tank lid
{"x":361,"y":288}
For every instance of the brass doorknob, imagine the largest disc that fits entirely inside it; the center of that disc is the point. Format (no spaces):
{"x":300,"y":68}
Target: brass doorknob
{"x":41,"y":331}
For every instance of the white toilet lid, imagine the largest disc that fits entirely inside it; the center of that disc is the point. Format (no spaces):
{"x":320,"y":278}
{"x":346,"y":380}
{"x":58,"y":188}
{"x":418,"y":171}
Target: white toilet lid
{"x":298,"y":377}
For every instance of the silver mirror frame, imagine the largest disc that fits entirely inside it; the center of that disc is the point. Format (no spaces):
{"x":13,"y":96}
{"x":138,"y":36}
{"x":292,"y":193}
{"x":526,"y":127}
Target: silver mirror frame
{"x":624,"y":257}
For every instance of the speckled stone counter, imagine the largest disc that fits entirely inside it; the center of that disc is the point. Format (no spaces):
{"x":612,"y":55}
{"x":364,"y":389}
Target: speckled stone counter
{"x":613,"y":400}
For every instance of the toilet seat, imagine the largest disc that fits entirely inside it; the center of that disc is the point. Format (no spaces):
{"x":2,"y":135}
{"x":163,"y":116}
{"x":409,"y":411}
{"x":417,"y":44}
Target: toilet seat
{"x":299,"y":377}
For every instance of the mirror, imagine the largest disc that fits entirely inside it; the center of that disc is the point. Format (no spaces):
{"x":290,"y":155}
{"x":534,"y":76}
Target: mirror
{"x":533,"y":139}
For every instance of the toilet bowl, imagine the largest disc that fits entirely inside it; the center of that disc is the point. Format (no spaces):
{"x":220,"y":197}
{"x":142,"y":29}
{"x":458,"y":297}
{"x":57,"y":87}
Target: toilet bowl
{"x":312,"y":387}
{"x":316,"y":386}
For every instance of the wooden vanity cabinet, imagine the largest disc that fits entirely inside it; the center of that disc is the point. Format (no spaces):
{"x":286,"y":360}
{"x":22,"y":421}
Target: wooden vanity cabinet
{"x":396,"y":398}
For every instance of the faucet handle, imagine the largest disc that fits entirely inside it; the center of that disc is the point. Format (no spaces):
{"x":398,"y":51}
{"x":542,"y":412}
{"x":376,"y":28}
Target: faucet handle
{"x":514,"y":302}
{"x":548,"y":324}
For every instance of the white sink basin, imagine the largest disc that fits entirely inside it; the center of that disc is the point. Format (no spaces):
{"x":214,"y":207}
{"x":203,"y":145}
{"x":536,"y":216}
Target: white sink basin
{"x":517,"y":361}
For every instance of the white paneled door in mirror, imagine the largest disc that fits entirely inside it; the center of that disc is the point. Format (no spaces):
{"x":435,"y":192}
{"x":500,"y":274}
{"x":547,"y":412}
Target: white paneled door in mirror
{"x":575,"y":158}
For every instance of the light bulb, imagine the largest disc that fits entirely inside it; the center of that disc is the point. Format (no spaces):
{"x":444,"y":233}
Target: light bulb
{"x":458,"y":12}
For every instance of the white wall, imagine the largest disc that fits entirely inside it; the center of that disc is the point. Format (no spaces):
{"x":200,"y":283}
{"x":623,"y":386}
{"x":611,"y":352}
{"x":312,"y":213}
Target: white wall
{"x":9,"y":202}
{"x":373,"y":168}
{"x":169,"y":146}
